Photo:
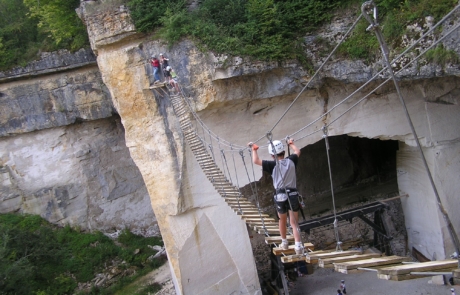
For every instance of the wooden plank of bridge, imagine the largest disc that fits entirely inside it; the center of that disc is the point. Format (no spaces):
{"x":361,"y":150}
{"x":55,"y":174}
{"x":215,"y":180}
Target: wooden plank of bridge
{"x":293,"y":258}
{"x":291,"y":249}
{"x":409,"y":276}
{"x":402,"y":272}
{"x":157,"y":85}
{"x":246,"y":215}
{"x":260,"y":223}
{"x":249,"y":219}
{"x":242,"y":206}
{"x":313,"y":257}
{"x":242,"y":202}
{"x":277,"y":239}
{"x":345,"y":267}
{"x":329,"y":262}
{"x":268,"y":226}
{"x":246,"y":211}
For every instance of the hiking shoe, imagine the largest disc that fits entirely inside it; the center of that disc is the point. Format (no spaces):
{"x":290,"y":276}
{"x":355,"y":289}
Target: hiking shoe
{"x":299,"y":250}
{"x":284,"y":245}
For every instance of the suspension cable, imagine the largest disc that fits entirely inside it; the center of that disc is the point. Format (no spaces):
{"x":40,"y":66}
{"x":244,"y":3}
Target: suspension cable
{"x":375,"y":27}
{"x":238,"y":185}
{"x":374,"y":89}
{"x":253,"y":191}
{"x":226,"y":143}
{"x":315,"y":74}
{"x":226,"y":165}
{"x":403,"y":68}
{"x":222,"y":160}
{"x":336,"y":230}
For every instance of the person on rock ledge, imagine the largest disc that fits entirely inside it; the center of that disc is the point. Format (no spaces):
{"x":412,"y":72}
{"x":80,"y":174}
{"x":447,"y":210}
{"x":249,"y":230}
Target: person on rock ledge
{"x":156,"y":68}
{"x":284,"y":181}
{"x":164,"y":64}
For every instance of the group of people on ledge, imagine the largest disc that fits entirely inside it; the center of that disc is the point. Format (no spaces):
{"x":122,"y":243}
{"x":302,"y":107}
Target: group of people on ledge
{"x":162,"y":65}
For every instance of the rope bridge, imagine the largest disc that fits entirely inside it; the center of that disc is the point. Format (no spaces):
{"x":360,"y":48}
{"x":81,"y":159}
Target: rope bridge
{"x":209,"y":148}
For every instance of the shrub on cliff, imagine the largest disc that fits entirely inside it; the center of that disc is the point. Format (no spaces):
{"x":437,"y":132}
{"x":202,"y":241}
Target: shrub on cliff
{"x":274,"y":29}
{"x":58,"y":19}
{"x":29,"y":26}
{"x":39,"y":258}
{"x":146,"y":14}
{"x":394,"y":16}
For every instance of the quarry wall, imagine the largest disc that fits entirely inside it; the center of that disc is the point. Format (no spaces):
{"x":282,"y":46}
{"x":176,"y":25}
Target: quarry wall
{"x":62,"y":148}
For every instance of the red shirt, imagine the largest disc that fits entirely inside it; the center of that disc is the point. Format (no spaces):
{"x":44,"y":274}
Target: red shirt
{"x":155,"y":63}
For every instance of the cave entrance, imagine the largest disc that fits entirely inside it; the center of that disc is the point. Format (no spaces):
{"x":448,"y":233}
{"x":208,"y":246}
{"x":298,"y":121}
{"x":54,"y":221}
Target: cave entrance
{"x":363,"y":170}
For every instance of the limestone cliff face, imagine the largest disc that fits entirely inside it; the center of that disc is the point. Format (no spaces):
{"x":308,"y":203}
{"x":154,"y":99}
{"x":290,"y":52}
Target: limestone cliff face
{"x":62,"y":148}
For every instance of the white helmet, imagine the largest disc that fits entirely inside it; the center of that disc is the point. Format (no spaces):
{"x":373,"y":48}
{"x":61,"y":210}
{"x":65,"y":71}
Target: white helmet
{"x":168,"y":68}
{"x":279,"y":147}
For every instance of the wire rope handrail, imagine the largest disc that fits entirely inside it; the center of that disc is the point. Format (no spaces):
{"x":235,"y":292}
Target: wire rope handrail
{"x":369,"y":5}
{"x":314,"y":76}
{"x":376,"y":88}
{"x":387,"y":68}
{"x":232,"y":145}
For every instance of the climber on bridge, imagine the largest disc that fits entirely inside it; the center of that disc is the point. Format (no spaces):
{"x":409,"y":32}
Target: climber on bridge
{"x":286,"y":196}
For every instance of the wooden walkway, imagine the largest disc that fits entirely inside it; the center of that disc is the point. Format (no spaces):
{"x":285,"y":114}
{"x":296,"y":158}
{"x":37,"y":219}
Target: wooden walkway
{"x":394,"y":268}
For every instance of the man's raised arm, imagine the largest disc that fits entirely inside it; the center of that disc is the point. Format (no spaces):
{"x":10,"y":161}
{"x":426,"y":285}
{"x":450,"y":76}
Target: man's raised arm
{"x":255,"y":156}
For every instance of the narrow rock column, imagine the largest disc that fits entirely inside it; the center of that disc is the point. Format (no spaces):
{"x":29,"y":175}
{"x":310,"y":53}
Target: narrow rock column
{"x":208,"y":246}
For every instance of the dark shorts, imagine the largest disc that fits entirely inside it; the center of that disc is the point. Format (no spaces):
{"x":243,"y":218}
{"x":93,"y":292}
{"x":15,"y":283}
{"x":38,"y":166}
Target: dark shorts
{"x":283,"y":207}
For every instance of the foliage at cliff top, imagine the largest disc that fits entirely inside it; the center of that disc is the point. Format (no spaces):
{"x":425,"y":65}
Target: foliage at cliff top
{"x":274,"y":29}
{"x":39,"y":258}
{"x":30,"y":26}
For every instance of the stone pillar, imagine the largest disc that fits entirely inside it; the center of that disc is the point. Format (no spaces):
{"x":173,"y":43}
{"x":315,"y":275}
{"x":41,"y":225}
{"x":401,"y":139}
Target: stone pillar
{"x":207,"y":244}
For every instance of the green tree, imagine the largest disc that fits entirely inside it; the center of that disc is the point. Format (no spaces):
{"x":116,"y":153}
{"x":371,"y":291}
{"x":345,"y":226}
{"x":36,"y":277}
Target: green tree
{"x":18,"y":33}
{"x":147,"y":13}
{"x":58,"y":18}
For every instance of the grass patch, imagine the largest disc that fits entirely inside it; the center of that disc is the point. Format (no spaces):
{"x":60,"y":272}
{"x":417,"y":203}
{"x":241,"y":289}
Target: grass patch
{"x":441,"y":56}
{"x":39,"y":258}
{"x":394,"y":16}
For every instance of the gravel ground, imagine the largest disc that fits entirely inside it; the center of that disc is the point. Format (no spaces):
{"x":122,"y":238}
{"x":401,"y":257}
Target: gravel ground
{"x":327,"y":281}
